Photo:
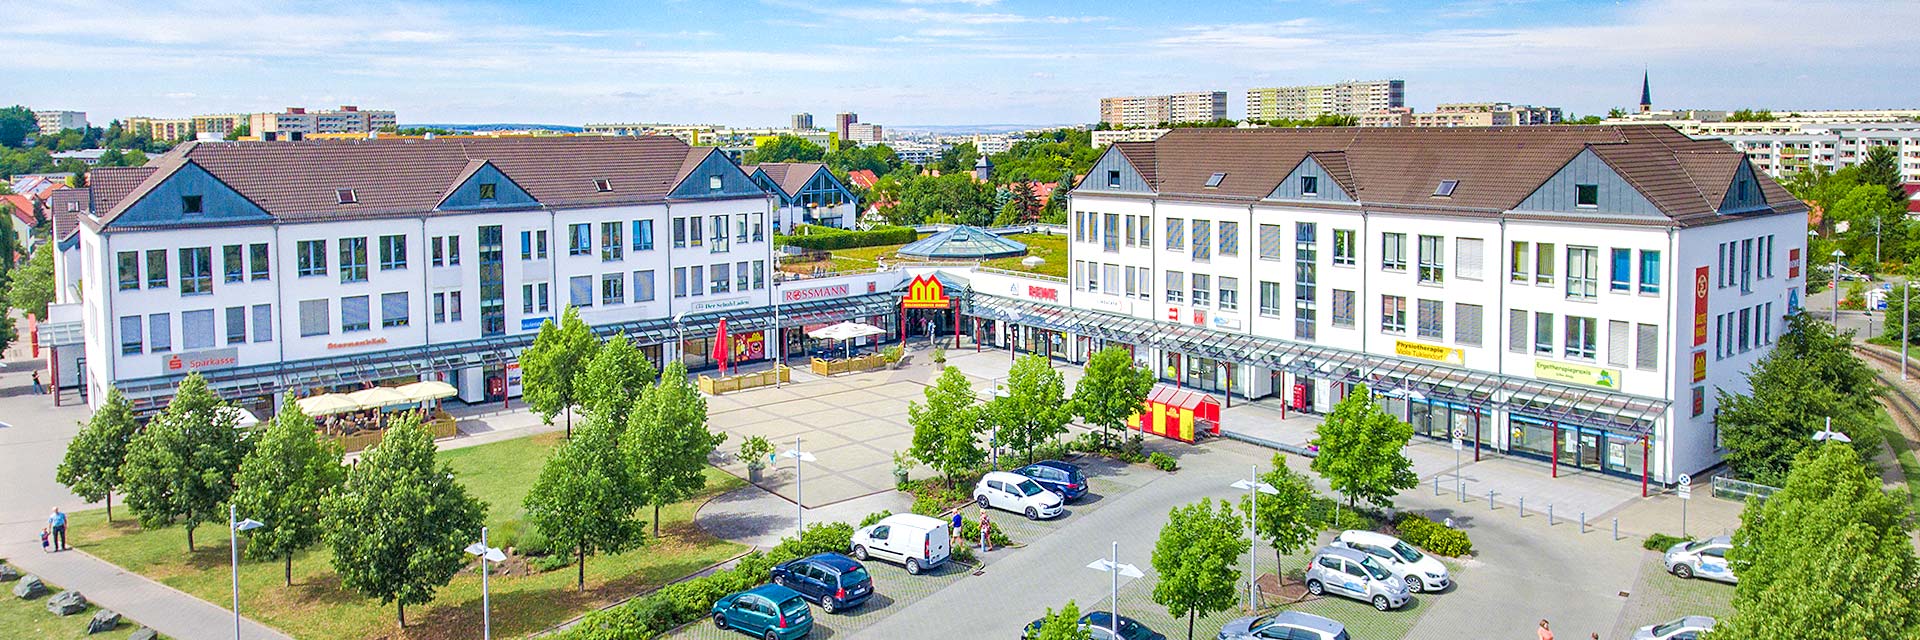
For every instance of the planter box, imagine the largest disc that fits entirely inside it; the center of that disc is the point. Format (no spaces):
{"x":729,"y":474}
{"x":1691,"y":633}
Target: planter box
{"x":715,"y":386}
{"x":862,"y":363}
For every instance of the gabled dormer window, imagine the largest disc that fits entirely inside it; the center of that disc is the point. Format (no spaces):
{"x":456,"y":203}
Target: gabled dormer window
{"x":190,"y":204}
{"x":1586,"y":195}
{"x":1445,"y":189}
{"x":1310,"y":186}
{"x":73,"y":207}
{"x":488,"y":190}
{"x":1113,"y":179}
{"x":602,"y":185}
{"x":1213,"y":181}
{"x":346,"y":196}
{"x":714,"y":183}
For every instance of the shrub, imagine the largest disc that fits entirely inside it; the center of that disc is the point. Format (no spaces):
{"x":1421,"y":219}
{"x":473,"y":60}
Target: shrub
{"x":939,"y":356}
{"x":962,"y":553}
{"x":544,"y":564}
{"x":1662,"y":542}
{"x":1163,"y":461}
{"x":970,"y":531}
{"x":827,"y":238}
{"x":1418,"y":531}
{"x":891,"y":354}
{"x":928,"y":504}
{"x":754,"y":451}
{"x":874,"y":517}
{"x":1052,"y":450}
{"x":1333,"y":515}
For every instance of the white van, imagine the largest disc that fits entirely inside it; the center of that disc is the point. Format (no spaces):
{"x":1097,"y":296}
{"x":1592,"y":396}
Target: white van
{"x":917,"y":541}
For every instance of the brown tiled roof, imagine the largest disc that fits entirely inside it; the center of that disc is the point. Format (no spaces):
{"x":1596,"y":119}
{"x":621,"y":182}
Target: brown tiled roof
{"x":1399,"y":167}
{"x":65,"y":222}
{"x":791,"y":176}
{"x":107,"y":187}
{"x":298,"y":180}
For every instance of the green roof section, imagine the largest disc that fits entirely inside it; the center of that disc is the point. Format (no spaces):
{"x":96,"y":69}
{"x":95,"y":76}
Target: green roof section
{"x":963,"y":243}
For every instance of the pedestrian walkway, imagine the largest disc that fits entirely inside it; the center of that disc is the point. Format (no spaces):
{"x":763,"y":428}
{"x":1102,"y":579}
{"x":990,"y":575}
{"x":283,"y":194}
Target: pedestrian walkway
{"x":168,"y":610}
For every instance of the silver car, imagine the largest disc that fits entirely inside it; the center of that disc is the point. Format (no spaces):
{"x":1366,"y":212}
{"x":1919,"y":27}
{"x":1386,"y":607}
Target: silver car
{"x":1352,"y":574}
{"x":1284,"y":625}
{"x":1704,"y":559}
{"x":1688,"y":628}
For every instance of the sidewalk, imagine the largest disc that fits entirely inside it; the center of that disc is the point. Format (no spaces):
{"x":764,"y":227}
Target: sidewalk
{"x":165,"y":609}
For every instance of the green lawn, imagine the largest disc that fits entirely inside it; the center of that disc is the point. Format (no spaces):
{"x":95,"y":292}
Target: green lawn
{"x":30,"y":619}
{"x":1052,"y":248}
{"x":317,"y":607}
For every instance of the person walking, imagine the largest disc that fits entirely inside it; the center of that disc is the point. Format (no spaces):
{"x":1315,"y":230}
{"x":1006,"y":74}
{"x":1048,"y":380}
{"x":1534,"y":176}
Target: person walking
{"x":1545,"y":632}
{"x":58,"y":522}
{"x":38,"y":388}
{"x":986,"y":532}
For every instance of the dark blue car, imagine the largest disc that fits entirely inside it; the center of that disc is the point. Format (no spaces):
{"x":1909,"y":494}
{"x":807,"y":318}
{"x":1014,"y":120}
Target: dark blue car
{"x":1058,"y":477}
{"x":833,"y":580}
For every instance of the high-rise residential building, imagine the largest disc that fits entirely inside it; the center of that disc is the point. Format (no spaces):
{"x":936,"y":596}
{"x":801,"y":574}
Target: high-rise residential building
{"x":1463,"y":114}
{"x":864,"y":132}
{"x":161,"y":128}
{"x":50,"y":122}
{"x":1783,"y":149}
{"x":1351,"y":98}
{"x":843,"y":120}
{"x":1147,"y":111}
{"x":296,"y":122}
{"x":219,"y":123}
{"x":802,"y":121}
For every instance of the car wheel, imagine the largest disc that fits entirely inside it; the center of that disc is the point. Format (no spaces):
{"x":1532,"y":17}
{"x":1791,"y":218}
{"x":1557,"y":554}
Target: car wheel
{"x":720,"y":621}
{"x":859,"y":552}
{"x":1380,"y":603}
{"x":771,"y":635}
{"x":826,"y":604}
{"x":1684,"y":571}
{"x":1032,"y":514}
{"x":913,"y":567}
{"x":1415,"y":585}
{"x":984,"y":503}
{"x":780,"y":580}
{"x":1313,"y":587}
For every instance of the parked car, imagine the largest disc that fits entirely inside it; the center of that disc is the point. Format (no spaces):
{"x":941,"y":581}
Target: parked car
{"x":1687,"y":628}
{"x":768,"y":611}
{"x":1352,"y":574}
{"x":1058,"y":477}
{"x":1017,"y":493}
{"x":1285,"y":625}
{"x":1419,"y":571}
{"x":1704,"y":558}
{"x":834,"y":581}
{"x":913,"y":540}
{"x":1099,"y":625}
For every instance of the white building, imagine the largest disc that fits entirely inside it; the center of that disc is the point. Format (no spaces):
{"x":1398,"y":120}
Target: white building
{"x":1833,"y":146}
{"x":1307,"y":102}
{"x":52,"y":122}
{"x":865,"y":132}
{"x":1147,"y":111}
{"x":297,"y":122}
{"x":1104,"y":138}
{"x":274,"y":267}
{"x":1512,"y":284}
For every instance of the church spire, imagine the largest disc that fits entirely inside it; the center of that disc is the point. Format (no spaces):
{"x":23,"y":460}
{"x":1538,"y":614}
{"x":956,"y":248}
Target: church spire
{"x":1646,"y":92}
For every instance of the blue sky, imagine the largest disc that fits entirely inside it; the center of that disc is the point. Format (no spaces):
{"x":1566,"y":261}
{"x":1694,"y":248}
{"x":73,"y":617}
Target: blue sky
{"x":752,"y":62}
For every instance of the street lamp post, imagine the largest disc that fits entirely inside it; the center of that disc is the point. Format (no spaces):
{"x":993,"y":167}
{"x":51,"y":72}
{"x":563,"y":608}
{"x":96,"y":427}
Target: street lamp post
{"x":486,"y":554}
{"x":1837,"y":255}
{"x":1000,"y":391}
{"x":799,"y":506}
{"x":1828,"y":433}
{"x":1114,"y":569}
{"x":1254,"y":487}
{"x":1906,"y":298}
{"x":233,"y":545}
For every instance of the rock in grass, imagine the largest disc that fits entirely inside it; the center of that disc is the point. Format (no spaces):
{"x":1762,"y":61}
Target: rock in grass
{"x":103,"y":621}
{"x":143,"y":633}
{"x":8,"y":573}
{"x":67,"y":603}
{"x":29,"y":587}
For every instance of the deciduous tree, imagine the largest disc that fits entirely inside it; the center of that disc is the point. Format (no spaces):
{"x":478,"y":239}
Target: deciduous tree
{"x":180,"y":468}
{"x":1195,"y":558}
{"x":585,"y":501}
{"x":91,"y":467}
{"x":1064,"y":625}
{"x":1286,"y":518}
{"x":30,"y":287}
{"x":551,"y":366}
{"x":1811,"y":375}
{"x":1035,"y":409}
{"x":784,"y":149}
{"x":614,"y":379}
{"x":1112,"y":389}
{"x":667,"y":441}
{"x":1361,"y":450}
{"x":282,"y":483}
{"x":400,"y":524}
{"x":944,"y":428}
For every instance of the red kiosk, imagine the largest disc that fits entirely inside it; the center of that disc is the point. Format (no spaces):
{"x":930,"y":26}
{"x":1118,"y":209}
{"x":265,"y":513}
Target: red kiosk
{"x":1180,"y":414}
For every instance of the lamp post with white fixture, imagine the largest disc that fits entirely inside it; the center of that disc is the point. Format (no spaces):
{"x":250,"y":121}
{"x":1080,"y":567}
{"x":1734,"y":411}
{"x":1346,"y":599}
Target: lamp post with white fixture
{"x":1254,"y":487}
{"x":486,"y":554}
{"x":800,"y":507}
{"x":1837,"y":255}
{"x":1113,"y":568}
{"x":233,"y":545}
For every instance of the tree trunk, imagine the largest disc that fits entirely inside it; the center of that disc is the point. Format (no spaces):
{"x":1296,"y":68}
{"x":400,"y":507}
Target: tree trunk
{"x":656,"y":521}
{"x":109,"y":505}
{"x":1189,"y":624}
{"x":582,"y":581}
{"x":289,"y":567}
{"x":566,"y":410}
{"x":403,"y":612}
{"x":189,"y":538}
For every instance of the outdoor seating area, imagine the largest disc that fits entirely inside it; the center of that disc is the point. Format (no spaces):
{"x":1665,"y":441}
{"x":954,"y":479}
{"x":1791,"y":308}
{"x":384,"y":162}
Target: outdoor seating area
{"x":715,"y":386}
{"x":824,"y":367}
{"x":845,"y":333}
{"x":358,"y":419}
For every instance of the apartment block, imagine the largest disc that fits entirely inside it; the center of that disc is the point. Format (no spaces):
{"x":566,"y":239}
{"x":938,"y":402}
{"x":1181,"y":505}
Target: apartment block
{"x":802,"y":122}
{"x":1467,"y":114}
{"x":1352,"y":98}
{"x":1540,"y":305}
{"x":1784,"y":152}
{"x":297,"y":122}
{"x":1147,"y":111}
{"x":51,"y":122}
{"x":161,"y":128}
{"x":865,"y":132}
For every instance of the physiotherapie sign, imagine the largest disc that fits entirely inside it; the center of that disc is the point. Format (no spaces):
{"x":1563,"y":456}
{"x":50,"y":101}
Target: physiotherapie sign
{"x":1432,"y":352}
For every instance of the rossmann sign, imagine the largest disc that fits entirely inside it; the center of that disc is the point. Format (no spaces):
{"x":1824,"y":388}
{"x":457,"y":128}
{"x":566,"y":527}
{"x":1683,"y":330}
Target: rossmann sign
{"x":815,"y":293}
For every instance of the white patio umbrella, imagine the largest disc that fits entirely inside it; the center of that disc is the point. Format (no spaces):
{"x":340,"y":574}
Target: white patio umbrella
{"x":426,"y":390}
{"x":378,"y":397}
{"x":242,"y":418}
{"x":846,"y":331}
{"x":327,"y":404}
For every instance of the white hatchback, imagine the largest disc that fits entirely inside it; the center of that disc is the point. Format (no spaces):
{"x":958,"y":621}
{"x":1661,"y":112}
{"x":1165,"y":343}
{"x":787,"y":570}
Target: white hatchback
{"x":1420,"y":571}
{"x":1017,"y":493}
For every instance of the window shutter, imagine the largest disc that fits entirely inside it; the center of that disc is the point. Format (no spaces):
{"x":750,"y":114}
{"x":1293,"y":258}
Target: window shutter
{"x":1617,"y":342}
{"x":1466,"y":324}
{"x":129,"y":334}
{"x":236,"y":325}
{"x":643,"y":286}
{"x":580,"y":290}
{"x":1110,"y":278}
{"x":196,"y":329}
{"x":263,"y":323}
{"x":1647,"y":352}
{"x":1229,"y":238}
{"x":1272,"y":244}
{"x":1469,"y":251}
{"x":313,"y":318}
{"x":1202,"y":231}
{"x":355,"y":312}
{"x":393,"y":309}
{"x":1517,"y":330}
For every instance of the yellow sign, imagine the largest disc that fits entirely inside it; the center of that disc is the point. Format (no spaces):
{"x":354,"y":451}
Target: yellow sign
{"x":1576,"y":374}
{"x":1432,"y":352}
{"x":925,"y":292}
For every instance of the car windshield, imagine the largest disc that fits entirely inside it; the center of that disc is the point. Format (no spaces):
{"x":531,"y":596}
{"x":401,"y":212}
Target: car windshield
{"x":856,"y":576}
{"x":1695,"y":546}
{"x":794,"y":606}
{"x":1670,"y":627}
{"x":1406,"y":551}
{"x":1029,"y":488}
{"x":1373,"y":568}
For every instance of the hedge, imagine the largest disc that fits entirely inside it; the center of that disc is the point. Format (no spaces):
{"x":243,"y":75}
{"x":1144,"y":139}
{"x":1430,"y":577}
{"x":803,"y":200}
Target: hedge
{"x":1661,"y":542}
{"x":1439,"y":539}
{"x":683,"y":602}
{"x":829,"y":238}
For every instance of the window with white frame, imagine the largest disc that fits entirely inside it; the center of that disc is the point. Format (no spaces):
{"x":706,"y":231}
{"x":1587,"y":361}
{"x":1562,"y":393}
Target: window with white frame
{"x":1583,"y":273}
{"x":1431,"y":318}
{"x":1202,"y":289}
{"x":1433,"y":260}
{"x":1469,"y":258}
{"x":1393,"y":314}
{"x":1229,"y":294}
{"x":1343,"y":308}
{"x":1345,"y":248}
{"x":1270,"y":297}
{"x":1467,"y":321}
{"x":1393,"y":251}
{"x":1583,"y":338}
{"x":1176,"y":287}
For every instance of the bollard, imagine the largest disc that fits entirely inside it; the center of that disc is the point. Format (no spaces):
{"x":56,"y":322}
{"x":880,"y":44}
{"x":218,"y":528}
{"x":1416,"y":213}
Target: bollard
{"x":1583,"y":522}
{"x":1549,"y":514}
{"x":1489,"y":499}
{"x":1523,"y":507}
{"x":1463,"y":492}
{"x":1436,"y":485}
{"x":1616,"y":528}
